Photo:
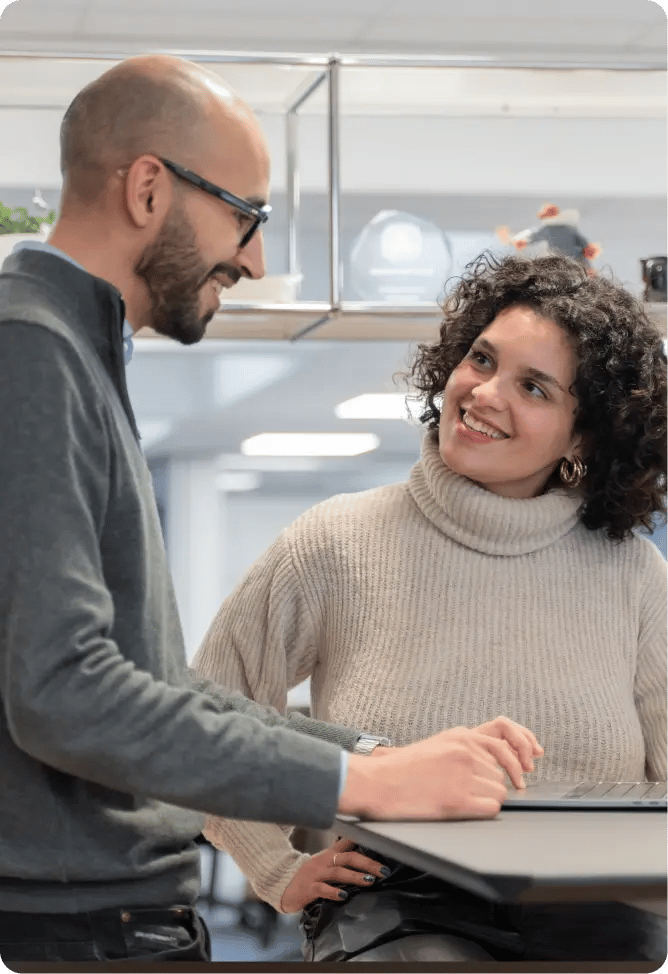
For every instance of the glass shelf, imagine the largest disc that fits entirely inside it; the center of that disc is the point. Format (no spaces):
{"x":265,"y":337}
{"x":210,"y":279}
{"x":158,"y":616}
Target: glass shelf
{"x":351,"y":322}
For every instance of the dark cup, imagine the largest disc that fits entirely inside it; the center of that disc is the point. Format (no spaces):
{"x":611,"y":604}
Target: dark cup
{"x":654,"y":278}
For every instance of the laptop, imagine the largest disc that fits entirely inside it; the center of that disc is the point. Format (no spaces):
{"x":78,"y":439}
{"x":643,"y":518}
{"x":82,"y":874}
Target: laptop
{"x":589,"y":794}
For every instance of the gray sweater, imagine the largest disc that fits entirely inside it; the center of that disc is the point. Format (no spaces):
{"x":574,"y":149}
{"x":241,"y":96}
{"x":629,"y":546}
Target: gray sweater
{"x":107,"y":745}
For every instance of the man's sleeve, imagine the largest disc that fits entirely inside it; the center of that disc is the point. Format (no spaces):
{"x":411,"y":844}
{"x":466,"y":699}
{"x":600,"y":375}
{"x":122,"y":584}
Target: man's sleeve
{"x":232,"y":700}
{"x":71,"y":699}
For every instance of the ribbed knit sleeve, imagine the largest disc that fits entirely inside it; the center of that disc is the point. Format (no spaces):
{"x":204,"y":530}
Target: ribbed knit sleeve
{"x":650,"y":682}
{"x":261,"y":642}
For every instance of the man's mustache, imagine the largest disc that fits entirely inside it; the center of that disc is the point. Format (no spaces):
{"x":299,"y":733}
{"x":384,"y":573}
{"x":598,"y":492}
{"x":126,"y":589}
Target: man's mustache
{"x":226,"y":274}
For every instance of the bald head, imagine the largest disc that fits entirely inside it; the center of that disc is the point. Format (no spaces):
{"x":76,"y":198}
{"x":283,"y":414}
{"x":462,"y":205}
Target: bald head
{"x":150,"y":104}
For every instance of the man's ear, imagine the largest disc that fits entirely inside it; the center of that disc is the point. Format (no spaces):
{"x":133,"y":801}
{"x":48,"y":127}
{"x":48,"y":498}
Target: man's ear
{"x":148,"y":191}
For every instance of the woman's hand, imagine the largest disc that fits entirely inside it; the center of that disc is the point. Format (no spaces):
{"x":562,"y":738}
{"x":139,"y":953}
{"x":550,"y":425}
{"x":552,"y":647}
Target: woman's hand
{"x":317,"y":877}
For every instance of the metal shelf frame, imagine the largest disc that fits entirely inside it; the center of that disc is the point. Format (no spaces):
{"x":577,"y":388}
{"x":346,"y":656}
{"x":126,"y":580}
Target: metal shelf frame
{"x":334,"y":319}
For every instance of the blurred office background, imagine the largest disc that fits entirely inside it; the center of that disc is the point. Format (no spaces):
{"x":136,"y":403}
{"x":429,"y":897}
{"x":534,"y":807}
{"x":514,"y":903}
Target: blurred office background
{"x":454,"y":154}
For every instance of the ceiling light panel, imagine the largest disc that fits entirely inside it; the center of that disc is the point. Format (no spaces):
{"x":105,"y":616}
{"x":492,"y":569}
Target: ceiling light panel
{"x":381,"y":405}
{"x":310,"y":444}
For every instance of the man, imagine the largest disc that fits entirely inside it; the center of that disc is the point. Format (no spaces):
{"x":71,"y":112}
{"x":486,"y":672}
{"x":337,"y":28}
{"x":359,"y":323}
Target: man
{"x":107,"y":742}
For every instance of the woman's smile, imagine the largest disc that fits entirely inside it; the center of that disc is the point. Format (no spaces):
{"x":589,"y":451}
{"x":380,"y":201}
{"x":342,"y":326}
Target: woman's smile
{"x":483,"y":432}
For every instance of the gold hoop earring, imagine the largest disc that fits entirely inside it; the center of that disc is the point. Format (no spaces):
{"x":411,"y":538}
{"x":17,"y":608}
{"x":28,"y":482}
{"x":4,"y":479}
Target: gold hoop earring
{"x":572,"y":472}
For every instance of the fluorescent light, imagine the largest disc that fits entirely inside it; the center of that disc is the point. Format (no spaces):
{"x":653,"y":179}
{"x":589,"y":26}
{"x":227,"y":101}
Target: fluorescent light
{"x":310,"y":444}
{"x":382,"y":405}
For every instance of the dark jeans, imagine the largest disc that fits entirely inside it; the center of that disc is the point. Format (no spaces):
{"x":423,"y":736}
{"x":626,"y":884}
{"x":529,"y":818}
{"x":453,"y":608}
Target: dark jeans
{"x":153,"y":934}
{"x":410,"y":903}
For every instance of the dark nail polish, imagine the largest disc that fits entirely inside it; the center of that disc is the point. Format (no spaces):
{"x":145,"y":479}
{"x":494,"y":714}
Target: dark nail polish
{"x":343,"y":895}
{"x":384,"y":871}
{"x":369,"y":879}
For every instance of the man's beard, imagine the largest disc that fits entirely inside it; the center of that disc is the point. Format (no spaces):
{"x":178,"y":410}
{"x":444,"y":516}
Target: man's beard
{"x":174,"y":273}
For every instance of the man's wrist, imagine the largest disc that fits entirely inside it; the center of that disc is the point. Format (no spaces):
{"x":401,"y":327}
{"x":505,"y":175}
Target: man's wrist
{"x":355,"y":787}
{"x":359,"y":793}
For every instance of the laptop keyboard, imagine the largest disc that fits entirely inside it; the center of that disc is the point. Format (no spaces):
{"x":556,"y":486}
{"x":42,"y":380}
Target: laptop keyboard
{"x":640,"y":791}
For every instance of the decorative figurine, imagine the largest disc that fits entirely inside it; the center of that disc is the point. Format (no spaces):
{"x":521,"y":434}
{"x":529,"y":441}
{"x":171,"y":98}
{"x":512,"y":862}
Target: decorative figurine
{"x":557,"y":233}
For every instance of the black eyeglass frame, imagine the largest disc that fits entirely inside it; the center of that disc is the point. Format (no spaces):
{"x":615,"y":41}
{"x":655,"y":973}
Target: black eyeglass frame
{"x":260,"y":214}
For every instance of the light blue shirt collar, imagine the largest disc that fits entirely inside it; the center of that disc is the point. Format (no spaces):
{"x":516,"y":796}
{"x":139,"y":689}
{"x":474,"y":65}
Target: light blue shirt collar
{"x":50,"y":249}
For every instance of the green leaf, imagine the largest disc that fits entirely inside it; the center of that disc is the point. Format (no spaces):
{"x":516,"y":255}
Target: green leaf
{"x":19,"y":220}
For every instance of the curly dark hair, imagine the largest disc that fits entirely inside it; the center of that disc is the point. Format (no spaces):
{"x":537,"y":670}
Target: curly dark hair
{"x":620,"y":383}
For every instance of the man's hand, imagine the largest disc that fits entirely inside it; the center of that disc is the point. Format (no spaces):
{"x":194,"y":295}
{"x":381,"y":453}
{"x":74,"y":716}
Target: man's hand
{"x":520,"y":739}
{"x":315,"y":878}
{"x":454,"y":774}
{"x":511,"y":745}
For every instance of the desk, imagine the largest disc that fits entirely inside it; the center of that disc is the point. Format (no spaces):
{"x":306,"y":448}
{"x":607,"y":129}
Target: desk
{"x":529,"y":856}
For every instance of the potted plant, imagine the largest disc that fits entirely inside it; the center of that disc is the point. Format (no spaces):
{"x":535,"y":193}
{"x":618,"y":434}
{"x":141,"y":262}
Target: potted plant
{"x":17,"y":224}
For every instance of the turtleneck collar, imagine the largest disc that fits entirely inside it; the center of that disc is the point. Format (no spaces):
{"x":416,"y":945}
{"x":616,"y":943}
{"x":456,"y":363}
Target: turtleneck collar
{"x":478,"y":519}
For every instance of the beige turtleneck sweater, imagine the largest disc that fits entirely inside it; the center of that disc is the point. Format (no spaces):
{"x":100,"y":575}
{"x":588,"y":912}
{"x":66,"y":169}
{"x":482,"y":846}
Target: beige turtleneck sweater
{"x":435,"y":603}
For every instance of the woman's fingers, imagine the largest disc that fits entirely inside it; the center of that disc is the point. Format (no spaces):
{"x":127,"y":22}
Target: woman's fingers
{"x":342,"y":864}
{"x":343,"y":876}
{"x":362,"y":864}
{"x":341,"y":845}
{"x":319,"y":876}
{"x":323,"y":891}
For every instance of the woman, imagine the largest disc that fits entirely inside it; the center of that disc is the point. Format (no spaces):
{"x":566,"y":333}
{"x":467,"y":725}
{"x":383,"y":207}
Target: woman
{"x":506,"y":576}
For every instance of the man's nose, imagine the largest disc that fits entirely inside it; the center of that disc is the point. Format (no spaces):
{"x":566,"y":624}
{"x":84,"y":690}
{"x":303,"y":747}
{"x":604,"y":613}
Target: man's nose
{"x":250,"y":258}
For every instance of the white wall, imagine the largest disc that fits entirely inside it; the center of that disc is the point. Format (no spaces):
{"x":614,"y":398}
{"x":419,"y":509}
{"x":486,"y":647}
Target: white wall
{"x":253,"y":523}
{"x":525,"y":156}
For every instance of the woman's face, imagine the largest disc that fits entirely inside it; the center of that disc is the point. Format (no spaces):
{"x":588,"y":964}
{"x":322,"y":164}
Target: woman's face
{"x":507,"y":416}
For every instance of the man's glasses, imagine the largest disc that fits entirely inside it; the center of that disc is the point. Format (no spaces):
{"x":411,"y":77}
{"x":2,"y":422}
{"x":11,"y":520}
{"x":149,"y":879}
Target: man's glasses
{"x":259,"y":214}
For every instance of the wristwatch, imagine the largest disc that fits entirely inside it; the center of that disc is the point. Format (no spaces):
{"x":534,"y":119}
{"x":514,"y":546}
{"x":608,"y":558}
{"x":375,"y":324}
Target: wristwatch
{"x":367,"y":742}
